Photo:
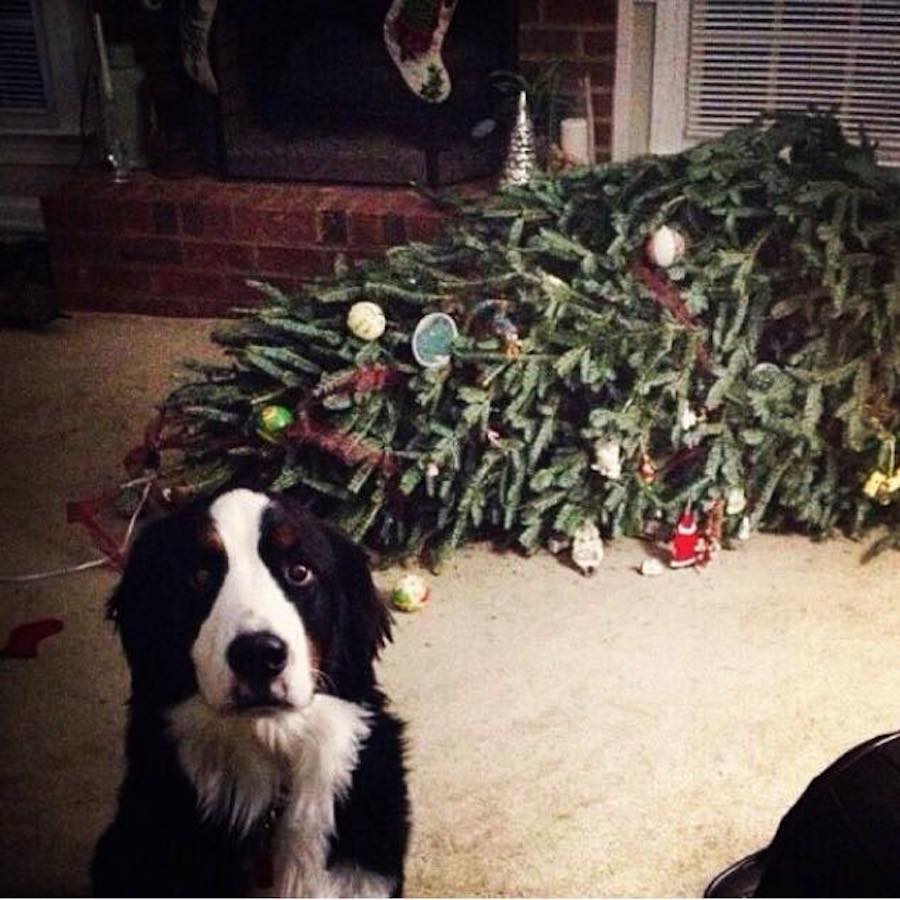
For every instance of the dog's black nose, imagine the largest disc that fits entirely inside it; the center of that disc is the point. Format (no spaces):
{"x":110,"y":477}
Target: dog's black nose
{"x":257,"y":656}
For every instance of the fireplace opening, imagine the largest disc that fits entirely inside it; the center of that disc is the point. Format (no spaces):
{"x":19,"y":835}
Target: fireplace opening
{"x":309,"y":91}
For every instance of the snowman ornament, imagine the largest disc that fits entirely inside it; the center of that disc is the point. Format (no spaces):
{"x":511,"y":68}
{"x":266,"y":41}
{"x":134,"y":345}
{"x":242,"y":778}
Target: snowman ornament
{"x":587,"y":548}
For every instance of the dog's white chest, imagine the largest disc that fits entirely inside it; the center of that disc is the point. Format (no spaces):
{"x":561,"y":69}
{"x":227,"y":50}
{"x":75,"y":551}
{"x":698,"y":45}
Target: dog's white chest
{"x":239,"y":765}
{"x":321,"y":774}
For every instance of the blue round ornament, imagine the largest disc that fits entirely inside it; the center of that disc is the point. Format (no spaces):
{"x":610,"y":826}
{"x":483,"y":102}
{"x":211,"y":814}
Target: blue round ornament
{"x":433,"y":340}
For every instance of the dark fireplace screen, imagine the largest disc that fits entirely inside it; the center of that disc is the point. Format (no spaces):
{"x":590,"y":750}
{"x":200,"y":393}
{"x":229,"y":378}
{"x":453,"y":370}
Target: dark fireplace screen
{"x":308,"y":90}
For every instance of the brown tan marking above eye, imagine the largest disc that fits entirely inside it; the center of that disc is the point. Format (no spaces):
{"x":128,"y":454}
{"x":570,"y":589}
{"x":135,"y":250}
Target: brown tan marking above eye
{"x":209,"y":539}
{"x":284,"y":536}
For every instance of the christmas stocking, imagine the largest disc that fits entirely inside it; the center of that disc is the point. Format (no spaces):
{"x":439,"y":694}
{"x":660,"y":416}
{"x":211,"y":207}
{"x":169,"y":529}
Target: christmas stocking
{"x":414,"y":33}
{"x":196,"y":20}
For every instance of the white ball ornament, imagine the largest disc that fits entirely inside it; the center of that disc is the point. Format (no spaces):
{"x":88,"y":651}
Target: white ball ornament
{"x":664,"y":247}
{"x":366,"y":320}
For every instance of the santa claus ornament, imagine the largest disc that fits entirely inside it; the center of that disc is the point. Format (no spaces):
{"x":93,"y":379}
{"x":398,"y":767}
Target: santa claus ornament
{"x":684,"y":542}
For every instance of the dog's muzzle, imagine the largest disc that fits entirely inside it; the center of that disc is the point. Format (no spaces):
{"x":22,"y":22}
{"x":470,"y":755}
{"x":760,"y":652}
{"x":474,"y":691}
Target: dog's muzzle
{"x":257,"y":659}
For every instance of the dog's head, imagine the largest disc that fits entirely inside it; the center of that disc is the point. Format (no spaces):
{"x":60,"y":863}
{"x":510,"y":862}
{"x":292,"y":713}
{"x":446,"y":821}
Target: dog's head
{"x":250,"y":602}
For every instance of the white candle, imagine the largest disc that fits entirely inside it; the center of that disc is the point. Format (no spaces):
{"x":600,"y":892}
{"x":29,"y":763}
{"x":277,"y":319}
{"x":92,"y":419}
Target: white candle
{"x":574,"y":141}
{"x":105,"y":80}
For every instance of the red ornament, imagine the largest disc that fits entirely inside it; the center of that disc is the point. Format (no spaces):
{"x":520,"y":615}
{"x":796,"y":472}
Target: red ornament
{"x":646,"y":470}
{"x":684,"y":543}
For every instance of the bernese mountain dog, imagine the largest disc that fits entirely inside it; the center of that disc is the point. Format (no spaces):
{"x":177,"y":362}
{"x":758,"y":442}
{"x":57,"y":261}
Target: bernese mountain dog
{"x":260,"y":757}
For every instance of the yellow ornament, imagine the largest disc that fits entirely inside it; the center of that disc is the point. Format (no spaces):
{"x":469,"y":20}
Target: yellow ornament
{"x":881,"y":487}
{"x":874,"y":483}
{"x":366,"y":320}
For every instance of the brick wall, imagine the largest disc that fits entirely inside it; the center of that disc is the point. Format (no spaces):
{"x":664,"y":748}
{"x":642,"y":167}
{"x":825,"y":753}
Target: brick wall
{"x":186,"y":247}
{"x":583,"y":34}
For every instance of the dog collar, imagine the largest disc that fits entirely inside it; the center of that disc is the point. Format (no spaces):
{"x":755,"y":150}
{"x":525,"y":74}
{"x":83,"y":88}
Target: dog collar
{"x":262,"y":853}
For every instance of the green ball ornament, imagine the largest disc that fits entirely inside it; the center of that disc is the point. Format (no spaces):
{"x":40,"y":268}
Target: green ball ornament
{"x":410,"y":593}
{"x":274,"y":419}
{"x":366,"y":320}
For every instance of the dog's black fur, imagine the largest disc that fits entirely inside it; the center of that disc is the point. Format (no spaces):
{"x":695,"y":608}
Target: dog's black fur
{"x":159,"y":843}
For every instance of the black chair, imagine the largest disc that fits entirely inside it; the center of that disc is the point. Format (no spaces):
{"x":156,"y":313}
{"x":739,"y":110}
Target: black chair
{"x":841,"y":838}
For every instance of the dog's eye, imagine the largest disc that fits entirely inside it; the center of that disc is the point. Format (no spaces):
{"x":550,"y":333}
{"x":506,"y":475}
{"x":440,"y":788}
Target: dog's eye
{"x":299,"y":575}
{"x":201,"y":579}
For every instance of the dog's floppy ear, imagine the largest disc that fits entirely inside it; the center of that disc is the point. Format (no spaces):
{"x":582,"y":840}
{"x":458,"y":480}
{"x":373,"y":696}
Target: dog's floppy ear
{"x":127,"y":604}
{"x":370,"y":621}
{"x":144,"y":620}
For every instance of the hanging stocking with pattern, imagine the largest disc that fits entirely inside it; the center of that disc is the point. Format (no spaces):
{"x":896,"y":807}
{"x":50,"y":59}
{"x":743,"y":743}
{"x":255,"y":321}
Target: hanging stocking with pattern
{"x":414,"y":33}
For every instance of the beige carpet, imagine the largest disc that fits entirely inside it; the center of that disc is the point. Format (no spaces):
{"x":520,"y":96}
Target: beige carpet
{"x":610,"y":736}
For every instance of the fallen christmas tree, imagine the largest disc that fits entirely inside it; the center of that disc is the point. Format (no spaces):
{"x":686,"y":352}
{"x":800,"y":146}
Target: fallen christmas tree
{"x":756,"y":375}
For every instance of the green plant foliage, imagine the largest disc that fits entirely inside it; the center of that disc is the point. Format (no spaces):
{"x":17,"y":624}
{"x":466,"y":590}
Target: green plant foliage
{"x":547,"y":103}
{"x":788,"y":347}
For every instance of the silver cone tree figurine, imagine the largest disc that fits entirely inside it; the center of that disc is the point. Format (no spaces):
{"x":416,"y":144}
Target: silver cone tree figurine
{"x":521,"y":158}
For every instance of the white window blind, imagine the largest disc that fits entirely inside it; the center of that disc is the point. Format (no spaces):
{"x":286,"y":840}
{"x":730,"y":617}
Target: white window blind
{"x":21,"y":78}
{"x":748,"y":56}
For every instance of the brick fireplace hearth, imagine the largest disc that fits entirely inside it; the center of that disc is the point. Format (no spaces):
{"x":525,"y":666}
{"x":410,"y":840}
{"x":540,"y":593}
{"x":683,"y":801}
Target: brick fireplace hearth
{"x":186,"y":247}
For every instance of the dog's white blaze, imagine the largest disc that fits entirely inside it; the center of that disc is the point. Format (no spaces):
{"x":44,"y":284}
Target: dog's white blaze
{"x":239,"y":763}
{"x":249,"y":600}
